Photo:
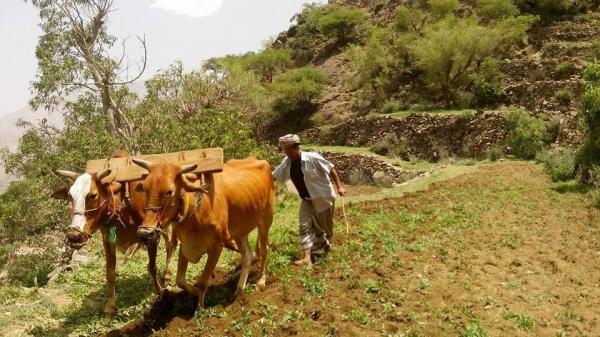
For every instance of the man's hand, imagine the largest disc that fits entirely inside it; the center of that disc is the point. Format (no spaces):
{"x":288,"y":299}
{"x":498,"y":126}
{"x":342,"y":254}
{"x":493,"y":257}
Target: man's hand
{"x":341,"y":191}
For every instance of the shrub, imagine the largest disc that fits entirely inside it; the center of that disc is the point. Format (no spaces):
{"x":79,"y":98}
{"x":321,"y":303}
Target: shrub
{"x":360,"y":177}
{"x":558,"y":163}
{"x":591,"y":74}
{"x":590,"y":104}
{"x":491,"y":10}
{"x":410,"y":19}
{"x":527,"y":135}
{"x":450,"y":49}
{"x":269,"y":62}
{"x":474,"y":329}
{"x":552,"y":7}
{"x":596,"y":196}
{"x":589,"y":152}
{"x":23,"y":213}
{"x":341,"y":23}
{"x":494,"y":153}
{"x":297,"y":88}
{"x":391,"y":145}
{"x":564,"y":70}
{"x":595,"y":49}
{"x":563,"y":96}
{"x":390,"y":107}
{"x":442,"y":8}
{"x":489,"y":82}
{"x":317,"y":22}
{"x":379,"y":64}
{"x":30,"y":267}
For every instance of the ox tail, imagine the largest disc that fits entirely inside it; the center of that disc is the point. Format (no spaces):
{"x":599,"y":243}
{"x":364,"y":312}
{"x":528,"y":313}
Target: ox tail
{"x":132,"y":250}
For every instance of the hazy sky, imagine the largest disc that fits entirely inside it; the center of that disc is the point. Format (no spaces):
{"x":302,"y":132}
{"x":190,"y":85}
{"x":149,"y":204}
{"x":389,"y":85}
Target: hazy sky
{"x":186,"y":30}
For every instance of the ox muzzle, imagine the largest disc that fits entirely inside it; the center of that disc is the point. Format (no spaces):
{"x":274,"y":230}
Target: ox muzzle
{"x":76,"y":238}
{"x":148,"y":235}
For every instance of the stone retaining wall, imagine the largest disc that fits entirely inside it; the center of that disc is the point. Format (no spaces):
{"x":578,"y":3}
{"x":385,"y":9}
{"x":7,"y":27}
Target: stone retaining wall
{"x":428,"y":136}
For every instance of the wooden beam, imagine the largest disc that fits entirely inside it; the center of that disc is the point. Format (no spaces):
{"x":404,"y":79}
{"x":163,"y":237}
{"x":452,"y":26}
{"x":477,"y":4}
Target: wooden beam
{"x":208,"y":160}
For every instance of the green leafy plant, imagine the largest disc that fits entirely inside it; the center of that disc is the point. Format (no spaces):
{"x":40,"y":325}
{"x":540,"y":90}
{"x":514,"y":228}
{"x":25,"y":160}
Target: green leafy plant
{"x":297,"y":89}
{"x":527,"y":134}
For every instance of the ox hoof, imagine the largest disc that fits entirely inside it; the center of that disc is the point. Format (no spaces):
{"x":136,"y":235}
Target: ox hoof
{"x":238,"y":291}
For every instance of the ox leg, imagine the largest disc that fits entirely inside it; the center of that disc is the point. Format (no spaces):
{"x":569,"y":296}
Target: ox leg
{"x":209,"y":268}
{"x":171,"y":244}
{"x":110,"y":253}
{"x":152,"y":249}
{"x":182,"y":283}
{"x":263,"y":237}
{"x":246,"y":263}
{"x":256,"y":254}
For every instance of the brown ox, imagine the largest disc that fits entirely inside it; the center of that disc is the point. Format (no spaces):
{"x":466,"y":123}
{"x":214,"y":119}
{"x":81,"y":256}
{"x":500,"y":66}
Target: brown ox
{"x":235,"y":201}
{"x":99,"y":203}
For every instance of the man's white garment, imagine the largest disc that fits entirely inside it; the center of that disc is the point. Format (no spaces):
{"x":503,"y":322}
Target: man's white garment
{"x":316,"y":170}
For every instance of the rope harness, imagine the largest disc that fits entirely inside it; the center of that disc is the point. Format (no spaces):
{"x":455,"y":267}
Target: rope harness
{"x":183,"y":210}
{"x":112,"y":214}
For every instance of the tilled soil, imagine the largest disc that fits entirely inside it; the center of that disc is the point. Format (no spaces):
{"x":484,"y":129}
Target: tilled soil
{"x":501,"y":250}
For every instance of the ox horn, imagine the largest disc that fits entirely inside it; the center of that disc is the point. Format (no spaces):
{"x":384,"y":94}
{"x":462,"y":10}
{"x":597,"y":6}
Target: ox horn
{"x":69,"y":174}
{"x":143,"y":163}
{"x":107,"y":176}
{"x":188,"y":168}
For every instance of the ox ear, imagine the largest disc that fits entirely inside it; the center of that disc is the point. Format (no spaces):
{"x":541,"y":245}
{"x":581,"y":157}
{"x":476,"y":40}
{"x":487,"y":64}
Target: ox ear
{"x":107,"y":177}
{"x":192,"y":185}
{"x":61,"y":194}
{"x":69,"y":174}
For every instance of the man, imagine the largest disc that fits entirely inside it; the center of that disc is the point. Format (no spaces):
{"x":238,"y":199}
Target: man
{"x":311,"y":174}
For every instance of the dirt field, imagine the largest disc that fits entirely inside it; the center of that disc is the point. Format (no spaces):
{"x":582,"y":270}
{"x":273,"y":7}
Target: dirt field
{"x":502,"y":251}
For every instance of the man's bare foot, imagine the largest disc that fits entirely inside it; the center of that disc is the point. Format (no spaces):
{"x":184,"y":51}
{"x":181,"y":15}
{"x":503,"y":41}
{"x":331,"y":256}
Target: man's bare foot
{"x":304,"y":260}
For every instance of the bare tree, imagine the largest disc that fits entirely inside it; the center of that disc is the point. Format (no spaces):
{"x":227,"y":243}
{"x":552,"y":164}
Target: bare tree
{"x":76,"y":53}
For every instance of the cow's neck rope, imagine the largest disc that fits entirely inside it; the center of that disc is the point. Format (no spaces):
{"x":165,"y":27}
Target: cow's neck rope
{"x":115,"y":212}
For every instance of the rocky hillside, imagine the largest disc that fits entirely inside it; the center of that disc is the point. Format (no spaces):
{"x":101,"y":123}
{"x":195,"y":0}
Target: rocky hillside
{"x":542,"y":75}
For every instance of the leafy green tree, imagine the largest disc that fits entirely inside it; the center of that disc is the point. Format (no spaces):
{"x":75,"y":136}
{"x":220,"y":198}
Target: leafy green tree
{"x":450,"y":49}
{"x":556,"y":7}
{"x":74,"y":55}
{"x":342,"y":23}
{"x":588,"y":155}
{"x":315,"y":23}
{"x":380,"y":63}
{"x":442,"y":8}
{"x":527,"y":135}
{"x":268,"y":63}
{"x":488,"y":83}
{"x":491,"y":10}
{"x":296,"y":89}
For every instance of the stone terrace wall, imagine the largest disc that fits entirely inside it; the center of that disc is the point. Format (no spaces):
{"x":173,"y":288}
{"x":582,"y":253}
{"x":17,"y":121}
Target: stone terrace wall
{"x":427,"y":136}
{"x":347,"y":163}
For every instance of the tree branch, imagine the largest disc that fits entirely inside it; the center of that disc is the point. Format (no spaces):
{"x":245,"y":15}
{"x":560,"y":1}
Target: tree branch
{"x":144,"y":64}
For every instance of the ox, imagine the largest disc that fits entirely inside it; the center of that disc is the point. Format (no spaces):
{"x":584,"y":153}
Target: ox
{"x":99,"y":203}
{"x":229,"y":206}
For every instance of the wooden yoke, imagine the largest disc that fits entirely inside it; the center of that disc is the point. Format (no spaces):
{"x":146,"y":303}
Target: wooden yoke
{"x":208,"y":161}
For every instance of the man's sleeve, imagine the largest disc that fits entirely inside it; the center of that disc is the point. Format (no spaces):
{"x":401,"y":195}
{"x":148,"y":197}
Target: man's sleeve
{"x":323,"y":163}
{"x":279,"y":173}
